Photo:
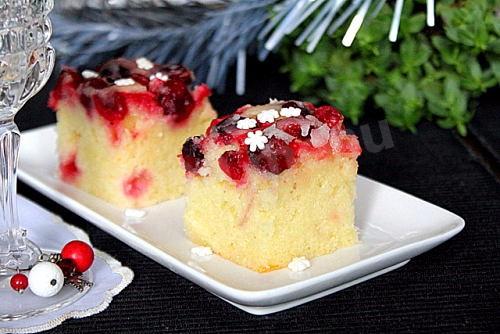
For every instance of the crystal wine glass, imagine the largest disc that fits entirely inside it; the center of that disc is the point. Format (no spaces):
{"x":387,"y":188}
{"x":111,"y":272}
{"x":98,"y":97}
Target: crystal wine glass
{"x":26,"y":62}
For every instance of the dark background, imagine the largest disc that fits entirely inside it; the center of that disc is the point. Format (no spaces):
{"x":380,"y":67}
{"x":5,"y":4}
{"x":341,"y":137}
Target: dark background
{"x":452,"y":288}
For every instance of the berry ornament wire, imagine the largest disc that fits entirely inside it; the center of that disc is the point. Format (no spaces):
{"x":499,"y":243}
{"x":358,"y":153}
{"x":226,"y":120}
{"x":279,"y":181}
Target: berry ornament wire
{"x":208,"y":36}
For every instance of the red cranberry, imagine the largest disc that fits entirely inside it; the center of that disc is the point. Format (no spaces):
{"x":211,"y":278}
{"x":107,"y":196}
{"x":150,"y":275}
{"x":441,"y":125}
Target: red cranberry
{"x":86,"y":101}
{"x":117,"y":69}
{"x":174,"y":97}
{"x":275,"y":157}
{"x":178,"y":72}
{"x":192,"y":154}
{"x":97,"y":83}
{"x":330,"y":116}
{"x":69,"y":169}
{"x":233,"y":164}
{"x":293,"y":129}
{"x":113,"y":108}
{"x":137,"y":184}
{"x":224,"y":128}
{"x":141,"y":79}
{"x":69,"y":78}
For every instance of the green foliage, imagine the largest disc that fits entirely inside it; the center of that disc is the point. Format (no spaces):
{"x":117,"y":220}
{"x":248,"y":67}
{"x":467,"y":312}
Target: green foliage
{"x":429,"y":73}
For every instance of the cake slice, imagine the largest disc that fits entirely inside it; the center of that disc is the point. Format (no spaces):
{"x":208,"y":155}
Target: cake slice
{"x":271,"y":183}
{"x":120,"y":129}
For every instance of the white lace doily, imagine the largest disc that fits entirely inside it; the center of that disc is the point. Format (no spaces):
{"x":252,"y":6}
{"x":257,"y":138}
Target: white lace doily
{"x":50,"y":232}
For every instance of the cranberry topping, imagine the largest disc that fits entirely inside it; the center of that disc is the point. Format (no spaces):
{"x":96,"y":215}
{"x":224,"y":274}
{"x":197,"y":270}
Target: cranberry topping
{"x":178,"y":72}
{"x":141,"y":79}
{"x":68,"y":169}
{"x":86,"y":102}
{"x":97,"y":83}
{"x":137,"y":184}
{"x":330,"y":116}
{"x":293,"y":129}
{"x":200,"y":93}
{"x":112,"y":108}
{"x":117,"y":69}
{"x":192,"y":154}
{"x":275,"y":157}
{"x":223,"y":127}
{"x":233,"y":163}
{"x":174,"y":97}
{"x":68,"y":80}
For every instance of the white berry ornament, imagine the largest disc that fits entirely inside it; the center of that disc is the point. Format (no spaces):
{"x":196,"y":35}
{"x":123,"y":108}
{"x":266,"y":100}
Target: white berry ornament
{"x":46,"y":279}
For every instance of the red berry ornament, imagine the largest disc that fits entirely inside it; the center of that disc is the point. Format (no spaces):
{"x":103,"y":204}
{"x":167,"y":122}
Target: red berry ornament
{"x":19,"y":282}
{"x":80,"y":253}
{"x":67,"y":266}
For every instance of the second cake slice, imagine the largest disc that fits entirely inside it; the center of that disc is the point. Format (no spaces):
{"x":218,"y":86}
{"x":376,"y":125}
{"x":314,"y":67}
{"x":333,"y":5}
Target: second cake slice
{"x":120,"y":129}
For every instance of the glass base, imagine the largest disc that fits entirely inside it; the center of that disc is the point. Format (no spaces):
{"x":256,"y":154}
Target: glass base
{"x":15,"y":306}
{"x":19,"y":260}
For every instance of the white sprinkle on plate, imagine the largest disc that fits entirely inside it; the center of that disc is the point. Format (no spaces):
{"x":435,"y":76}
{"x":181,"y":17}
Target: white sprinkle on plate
{"x":134,"y":213}
{"x":299,"y":264}
{"x":201,"y":251}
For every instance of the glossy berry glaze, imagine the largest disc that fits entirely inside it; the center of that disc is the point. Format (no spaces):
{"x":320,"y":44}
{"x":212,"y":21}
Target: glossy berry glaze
{"x":162,"y":90}
{"x":296,"y":128}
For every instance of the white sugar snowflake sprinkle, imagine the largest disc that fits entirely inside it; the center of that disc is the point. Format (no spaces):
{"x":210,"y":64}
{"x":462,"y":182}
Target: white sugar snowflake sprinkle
{"x":246,"y":123}
{"x":256,"y":140}
{"x":144,"y":63}
{"x":299,"y":264}
{"x":124,"y":82}
{"x":159,"y":75}
{"x":290,"y":112}
{"x":89,"y":74}
{"x":267,"y":116}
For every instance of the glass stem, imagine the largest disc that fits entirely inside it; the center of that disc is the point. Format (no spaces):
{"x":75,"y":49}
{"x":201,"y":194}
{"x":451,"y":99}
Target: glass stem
{"x":9,"y":152}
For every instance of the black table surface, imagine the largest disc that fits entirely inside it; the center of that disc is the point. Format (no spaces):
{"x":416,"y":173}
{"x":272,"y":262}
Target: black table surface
{"x":455,"y":287}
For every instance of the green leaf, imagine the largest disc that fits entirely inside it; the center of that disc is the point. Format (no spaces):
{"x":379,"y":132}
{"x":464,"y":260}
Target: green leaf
{"x":495,"y":68}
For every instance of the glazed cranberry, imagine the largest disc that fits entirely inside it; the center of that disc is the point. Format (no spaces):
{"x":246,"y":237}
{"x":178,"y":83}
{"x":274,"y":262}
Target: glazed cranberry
{"x":175,"y":99}
{"x":141,"y":79}
{"x":178,"y":72}
{"x":293,"y":129}
{"x":275,"y":157}
{"x":192,"y":154}
{"x":330,"y":116}
{"x":224,"y":129}
{"x":86,"y":102}
{"x":97,"y":83}
{"x":117,"y":69}
{"x":69,"y":78}
{"x":233,"y":164}
{"x":113,"y":108}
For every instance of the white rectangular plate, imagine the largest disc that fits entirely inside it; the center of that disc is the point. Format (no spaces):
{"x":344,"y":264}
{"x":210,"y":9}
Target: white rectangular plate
{"x":393,"y":228}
